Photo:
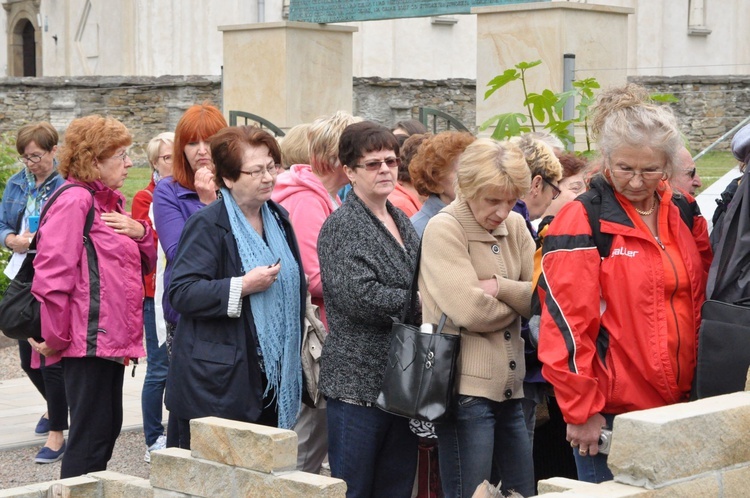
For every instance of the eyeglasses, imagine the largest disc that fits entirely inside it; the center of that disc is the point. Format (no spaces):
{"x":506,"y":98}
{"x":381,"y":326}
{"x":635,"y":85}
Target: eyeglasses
{"x":554,"y":187}
{"x":33,"y":159}
{"x":629,"y":174}
{"x":690,"y":172}
{"x":271,"y":169}
{"x":391,"y":162}
{"x":167,"y":158}
{"x":122,"y":156}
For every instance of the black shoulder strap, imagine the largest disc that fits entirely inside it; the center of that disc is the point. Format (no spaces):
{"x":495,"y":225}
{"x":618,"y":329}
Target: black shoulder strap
{"x":688,"y":209}
{"x":592,"y":202}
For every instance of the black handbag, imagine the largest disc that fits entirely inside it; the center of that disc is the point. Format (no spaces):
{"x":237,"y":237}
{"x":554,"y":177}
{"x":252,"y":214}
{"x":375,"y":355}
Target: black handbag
{"x":723,"y":348}
{"x":419,"y":377}
{"x":19,"y":310}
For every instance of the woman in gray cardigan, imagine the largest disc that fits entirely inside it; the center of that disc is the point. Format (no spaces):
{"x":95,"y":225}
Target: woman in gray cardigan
{"x":367,"y":251}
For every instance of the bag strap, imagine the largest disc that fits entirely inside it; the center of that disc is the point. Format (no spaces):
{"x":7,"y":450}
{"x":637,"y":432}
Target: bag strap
{"x":89,"y":216}
{"x":408,"y":314}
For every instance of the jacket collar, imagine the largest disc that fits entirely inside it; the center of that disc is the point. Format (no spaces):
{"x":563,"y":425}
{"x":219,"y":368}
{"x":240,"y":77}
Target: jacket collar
{"x":460,"y":209}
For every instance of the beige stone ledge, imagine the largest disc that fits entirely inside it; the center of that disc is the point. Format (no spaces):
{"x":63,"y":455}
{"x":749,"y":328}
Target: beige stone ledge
{"x":653,"y":448}
{"x":250,"y":446}
{"x":117,"y":485}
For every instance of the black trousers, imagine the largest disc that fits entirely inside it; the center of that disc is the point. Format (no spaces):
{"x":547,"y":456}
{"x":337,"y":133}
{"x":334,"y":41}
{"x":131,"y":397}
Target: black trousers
{"x":49,"y":381}
{"x":94,"y":388}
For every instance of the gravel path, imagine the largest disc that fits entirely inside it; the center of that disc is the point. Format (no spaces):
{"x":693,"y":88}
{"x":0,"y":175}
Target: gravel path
{"x":17,"y":467}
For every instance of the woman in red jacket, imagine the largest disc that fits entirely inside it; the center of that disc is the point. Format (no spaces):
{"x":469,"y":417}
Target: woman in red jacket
{"x":619,"y":331}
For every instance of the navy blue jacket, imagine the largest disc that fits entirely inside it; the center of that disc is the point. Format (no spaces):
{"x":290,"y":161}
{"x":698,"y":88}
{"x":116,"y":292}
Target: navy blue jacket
{"x":214,"y":369}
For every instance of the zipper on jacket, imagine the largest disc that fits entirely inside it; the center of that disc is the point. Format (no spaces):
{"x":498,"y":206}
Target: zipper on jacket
{"x":671,"y":306}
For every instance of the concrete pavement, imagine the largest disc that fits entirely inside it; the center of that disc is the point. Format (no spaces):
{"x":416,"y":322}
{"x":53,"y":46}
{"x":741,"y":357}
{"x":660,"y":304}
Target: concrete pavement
{"x":21,"y":405}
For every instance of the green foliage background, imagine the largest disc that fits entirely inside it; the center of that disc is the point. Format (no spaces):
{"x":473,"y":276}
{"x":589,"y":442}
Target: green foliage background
{"x":9,"y":165}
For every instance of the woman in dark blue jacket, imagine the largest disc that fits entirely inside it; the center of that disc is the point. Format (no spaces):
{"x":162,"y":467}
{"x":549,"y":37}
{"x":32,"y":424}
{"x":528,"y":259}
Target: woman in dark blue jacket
{"x":239,"y":287}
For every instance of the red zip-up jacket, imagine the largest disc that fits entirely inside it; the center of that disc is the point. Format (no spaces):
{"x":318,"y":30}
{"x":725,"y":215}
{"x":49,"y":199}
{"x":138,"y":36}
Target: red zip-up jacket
{"x":606,"y":341}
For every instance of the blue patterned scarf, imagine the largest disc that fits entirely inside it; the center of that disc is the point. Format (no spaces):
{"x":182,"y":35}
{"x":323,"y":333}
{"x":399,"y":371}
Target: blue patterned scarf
{"x":276,"y":311}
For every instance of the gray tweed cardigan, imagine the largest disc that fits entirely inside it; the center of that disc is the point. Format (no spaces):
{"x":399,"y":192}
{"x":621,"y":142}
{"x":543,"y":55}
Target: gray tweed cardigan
{"x":366,"y":275}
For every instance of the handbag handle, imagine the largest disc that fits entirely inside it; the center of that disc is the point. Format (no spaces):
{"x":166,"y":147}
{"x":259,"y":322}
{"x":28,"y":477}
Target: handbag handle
{"x":408,"y":314}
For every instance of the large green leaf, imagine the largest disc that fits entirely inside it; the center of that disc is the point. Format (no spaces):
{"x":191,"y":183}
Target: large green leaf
{"x":527,"y":65}
{"x":500,"y":81}
{"x":510,"y":125}
{"x":542,"y":105}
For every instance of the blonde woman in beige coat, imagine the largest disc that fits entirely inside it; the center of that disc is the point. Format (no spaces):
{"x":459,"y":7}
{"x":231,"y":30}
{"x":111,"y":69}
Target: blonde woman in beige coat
{"x":477,"y":264}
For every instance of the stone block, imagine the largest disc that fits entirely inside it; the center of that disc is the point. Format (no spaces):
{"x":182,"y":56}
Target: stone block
{"x":117,"y":485}
{"x":165,"y":493}
{"x":735,"y":482}
{"x":294,"y":483}
{"x":651,"y":448}
{"x":78,"y":487}
{"x":31,"y":491}
{"x":747,"y":381}
{"x":174,"y":469}
{"x":250,"y":446}
{"x":560,"y":484}
{"x":707,"y":485}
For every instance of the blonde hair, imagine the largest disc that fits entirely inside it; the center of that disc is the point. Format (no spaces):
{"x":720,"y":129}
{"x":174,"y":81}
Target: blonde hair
{"x":152,"y":149}
{"x":324,"y":135}
{"x":627,"y":117}
{"x":88,"y":139}
{"x":487,"y":163}
{"x":295,"y":146}
{"x":540,"y":157}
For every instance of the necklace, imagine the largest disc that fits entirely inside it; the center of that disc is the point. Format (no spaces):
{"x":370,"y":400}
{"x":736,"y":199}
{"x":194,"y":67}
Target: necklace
{"x":648,"y":212}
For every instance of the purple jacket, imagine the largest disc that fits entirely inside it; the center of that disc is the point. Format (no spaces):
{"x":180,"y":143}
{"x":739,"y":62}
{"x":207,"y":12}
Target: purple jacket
{"x":173,"y":205}
{"x":62,"y":284}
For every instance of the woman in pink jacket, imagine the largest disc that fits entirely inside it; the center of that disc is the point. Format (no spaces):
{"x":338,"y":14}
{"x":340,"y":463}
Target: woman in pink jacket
{"x":90,"y":288}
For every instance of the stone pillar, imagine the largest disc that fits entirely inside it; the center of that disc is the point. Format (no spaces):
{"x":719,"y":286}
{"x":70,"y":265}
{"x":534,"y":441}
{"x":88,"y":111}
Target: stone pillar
{"x":287,"y":72}
{"x":507,"y":35}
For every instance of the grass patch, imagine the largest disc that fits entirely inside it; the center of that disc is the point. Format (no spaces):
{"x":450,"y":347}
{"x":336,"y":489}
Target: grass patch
{"x":713,"y":166}
{"x":137,"y":179}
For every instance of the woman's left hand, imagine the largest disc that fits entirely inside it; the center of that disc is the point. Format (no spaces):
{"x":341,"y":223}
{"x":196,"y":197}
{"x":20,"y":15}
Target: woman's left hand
{"x":42,"y":348}
{"x":586,"y":436}
{"x":124,"y":225}
{"x":489,"y":286}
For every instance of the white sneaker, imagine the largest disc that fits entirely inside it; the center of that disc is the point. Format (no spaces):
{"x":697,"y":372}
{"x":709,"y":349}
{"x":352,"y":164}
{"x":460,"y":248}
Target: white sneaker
{"x":160,"y":444}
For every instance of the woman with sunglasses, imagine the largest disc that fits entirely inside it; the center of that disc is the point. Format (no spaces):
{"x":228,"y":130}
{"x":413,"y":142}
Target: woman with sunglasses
{"x":619,"y":331}
{"x":367,"y":251}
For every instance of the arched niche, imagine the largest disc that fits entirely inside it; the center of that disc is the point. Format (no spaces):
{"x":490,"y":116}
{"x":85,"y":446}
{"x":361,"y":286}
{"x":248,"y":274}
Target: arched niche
{"x":24,"y":38}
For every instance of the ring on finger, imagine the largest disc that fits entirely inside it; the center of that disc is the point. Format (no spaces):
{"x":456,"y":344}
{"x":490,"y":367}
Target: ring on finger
{"x":582,"y":452}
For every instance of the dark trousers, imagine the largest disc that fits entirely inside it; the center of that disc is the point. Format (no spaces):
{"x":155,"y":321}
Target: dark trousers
{"x":94,"y":388}
{"x":48,"y":380}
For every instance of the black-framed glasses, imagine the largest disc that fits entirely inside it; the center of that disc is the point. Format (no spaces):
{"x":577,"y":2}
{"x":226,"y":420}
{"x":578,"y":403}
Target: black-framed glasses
{"x":690,"y":172}
{"x":167,"y":158}
{"x":33,"y":158}
{"x":374,"y":165}
{"x":554,"y":187}
{"x":271,"y":169}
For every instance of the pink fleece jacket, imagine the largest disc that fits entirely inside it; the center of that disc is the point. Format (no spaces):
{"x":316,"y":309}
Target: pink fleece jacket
{"x":302,"y":193}
{"x":61,"y":280}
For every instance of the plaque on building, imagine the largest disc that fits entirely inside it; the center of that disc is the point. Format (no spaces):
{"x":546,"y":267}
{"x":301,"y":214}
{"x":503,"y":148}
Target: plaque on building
{"x":324,"y":11}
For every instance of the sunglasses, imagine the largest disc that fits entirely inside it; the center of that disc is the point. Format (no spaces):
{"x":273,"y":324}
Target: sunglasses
{"x":691,"y":172}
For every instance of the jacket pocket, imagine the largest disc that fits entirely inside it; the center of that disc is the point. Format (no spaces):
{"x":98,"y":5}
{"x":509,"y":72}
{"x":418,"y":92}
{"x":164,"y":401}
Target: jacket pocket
{"x":213,"y":363}
{"x":476,"y":356}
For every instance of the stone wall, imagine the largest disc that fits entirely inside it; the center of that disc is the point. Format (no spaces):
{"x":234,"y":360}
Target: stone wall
{"x":147,"y":106}
{"x":708,"y":106}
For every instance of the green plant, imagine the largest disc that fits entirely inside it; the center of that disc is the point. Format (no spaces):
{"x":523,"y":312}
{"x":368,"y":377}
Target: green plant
{"x":9,"y":165}
{"x":544,"y":110}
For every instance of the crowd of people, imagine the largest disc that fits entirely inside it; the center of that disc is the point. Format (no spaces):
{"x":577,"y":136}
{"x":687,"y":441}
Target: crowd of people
{"x":575,"y":285}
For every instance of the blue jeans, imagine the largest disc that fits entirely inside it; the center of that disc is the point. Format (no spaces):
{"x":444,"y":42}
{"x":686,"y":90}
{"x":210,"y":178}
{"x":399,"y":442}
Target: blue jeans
{"x":594,"y":468}
{"x":485,"y":433}
{"x":374,"y":452}
{"x":152,"y":395}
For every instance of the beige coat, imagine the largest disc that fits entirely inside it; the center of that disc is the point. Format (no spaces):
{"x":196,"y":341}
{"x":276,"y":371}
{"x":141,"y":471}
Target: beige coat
{"x":456,"y":253}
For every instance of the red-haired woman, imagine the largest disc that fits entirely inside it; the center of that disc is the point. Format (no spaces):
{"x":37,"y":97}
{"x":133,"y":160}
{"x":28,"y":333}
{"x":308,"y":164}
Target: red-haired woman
{"x":190,"y":188}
